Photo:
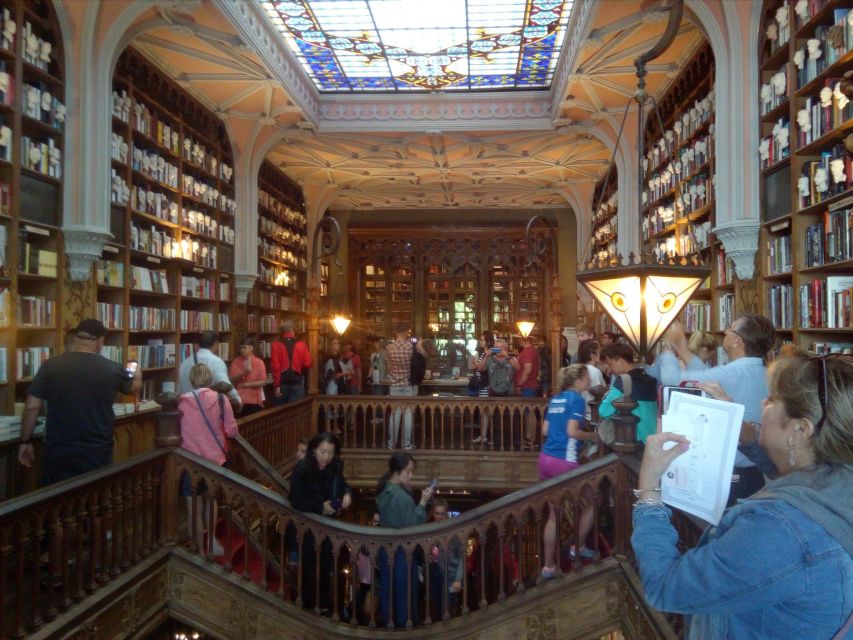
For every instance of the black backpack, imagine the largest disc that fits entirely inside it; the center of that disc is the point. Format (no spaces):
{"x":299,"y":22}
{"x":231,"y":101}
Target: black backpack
{"x":418,"y":367}
{"x":289,"y":375}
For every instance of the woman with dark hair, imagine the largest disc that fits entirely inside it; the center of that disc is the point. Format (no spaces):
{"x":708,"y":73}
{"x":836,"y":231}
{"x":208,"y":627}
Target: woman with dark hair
{"x":397,"y":509}
{"x":478,"y":384}
{"x":318,"y":486}
{"x":780,"y":563}
{"x":565,"y":356}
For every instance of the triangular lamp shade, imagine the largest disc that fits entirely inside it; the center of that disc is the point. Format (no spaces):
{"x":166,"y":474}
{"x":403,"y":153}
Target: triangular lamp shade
{"x":340,"y":323}
{"x":642,"y":305}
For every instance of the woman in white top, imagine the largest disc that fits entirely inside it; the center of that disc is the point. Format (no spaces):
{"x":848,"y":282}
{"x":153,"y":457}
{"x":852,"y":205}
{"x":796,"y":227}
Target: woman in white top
{"x":588,"y":355}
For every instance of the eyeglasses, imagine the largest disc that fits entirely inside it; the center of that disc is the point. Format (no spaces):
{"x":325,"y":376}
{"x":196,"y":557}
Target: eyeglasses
{"x":823,"y":386}
{"x":734,"y":331}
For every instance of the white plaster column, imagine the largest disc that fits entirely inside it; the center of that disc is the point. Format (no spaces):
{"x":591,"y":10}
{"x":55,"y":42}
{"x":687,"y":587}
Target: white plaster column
{"x":737,"y":214}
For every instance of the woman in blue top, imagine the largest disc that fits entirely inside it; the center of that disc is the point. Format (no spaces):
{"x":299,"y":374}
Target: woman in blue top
{"x":780,"y":563}
{"x":563,"y":433}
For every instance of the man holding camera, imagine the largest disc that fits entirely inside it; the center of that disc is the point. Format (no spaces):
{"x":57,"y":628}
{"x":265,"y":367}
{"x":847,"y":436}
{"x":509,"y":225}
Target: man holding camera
{"x":399,"y":358}
{"x":79,"y":388}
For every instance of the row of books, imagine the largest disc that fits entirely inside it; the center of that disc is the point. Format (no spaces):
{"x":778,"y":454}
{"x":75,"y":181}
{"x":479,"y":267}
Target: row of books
{"x":688,"y":162}
{"x":697,"y":316}
{"x":41,"y":105}
{"x":281,"y":210}
{"x":113,"y":352}
{"x":819,"y":115}
{"x":36,"y":311}
{"x":823,"y":49}
{"x":186,"y":350}
{"x":154,"y":166}
{"x":777,"y":146}
{"x":775,"y":91}
{"x":281,"y":233}
{"x":725,"y":268}
{"x":151,"y":319}
{"x":726,"y":308}
{"x":779,"y":254}
{"x":41,"y":157}
{"x":692,"y":120}
{"x":197,"y":321}
{"x":142,"y":279}
{"x":5,"y":299}
{"x":111,"y":273}
{"x":147,"y":123}
{"x":30,"y":360}
{"x":831,"y":239}
{"x":827,"y":303}
{"x":822,"y":179}
{"x":780,"y":305}
{"x":35,"y":260}
{"x":822,"y":348}
{"x":203,"y":288}
{"x":269,"y":324}
{"x":145,"y":200}
{"x":110,"y":314}
{"x":153,"y":355}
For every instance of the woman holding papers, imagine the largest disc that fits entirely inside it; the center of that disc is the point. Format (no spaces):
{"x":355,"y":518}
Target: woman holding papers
{"x":780,"y":563}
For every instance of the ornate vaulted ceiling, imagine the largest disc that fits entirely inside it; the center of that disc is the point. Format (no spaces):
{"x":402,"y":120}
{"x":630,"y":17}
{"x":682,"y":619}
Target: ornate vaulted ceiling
{"x":432,"y":151}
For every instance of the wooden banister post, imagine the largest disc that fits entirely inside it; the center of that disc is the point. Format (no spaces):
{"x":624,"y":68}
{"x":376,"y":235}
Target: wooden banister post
{"x":168,"y":437}
{"x":626,"y":426}
{"x":168,"y":422}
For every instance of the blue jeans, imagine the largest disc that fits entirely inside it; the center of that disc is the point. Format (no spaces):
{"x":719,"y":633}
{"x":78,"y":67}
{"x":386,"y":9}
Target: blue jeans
{"x":401,"y":570}
{"x":291,"y":392}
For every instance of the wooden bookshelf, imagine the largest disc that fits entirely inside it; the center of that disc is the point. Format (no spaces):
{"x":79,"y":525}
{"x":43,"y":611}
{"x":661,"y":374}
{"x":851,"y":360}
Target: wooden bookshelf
{"x":679,"y":210}
{"x":605,"y":219}
{"x":32,"y":261}
{"x":279,"y":293}
{"x":168,"y":274}
{"x":806,"y":258}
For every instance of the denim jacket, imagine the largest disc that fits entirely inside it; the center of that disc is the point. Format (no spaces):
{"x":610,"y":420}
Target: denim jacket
{"x":767,"y":571}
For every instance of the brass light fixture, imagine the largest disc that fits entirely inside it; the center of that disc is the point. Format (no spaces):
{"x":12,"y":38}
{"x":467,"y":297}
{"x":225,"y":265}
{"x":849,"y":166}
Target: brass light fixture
{"x":330,"y":241}
{"x":643,"y":295}
{"x":525,"y":327}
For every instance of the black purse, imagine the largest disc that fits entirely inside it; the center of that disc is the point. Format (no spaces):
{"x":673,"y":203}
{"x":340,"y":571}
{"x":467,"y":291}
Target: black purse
{"x":475,"y":382}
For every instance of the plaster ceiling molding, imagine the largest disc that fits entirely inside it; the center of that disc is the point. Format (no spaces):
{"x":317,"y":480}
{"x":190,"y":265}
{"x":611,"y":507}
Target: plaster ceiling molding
{"x":256,"y":31}
{"x":580,"y":24}
{"x":604,"y":77}
{"x":519,"y":110}
{"x":740,"y":239}
{"x":444,"y":168}
{"x":83,"y":245}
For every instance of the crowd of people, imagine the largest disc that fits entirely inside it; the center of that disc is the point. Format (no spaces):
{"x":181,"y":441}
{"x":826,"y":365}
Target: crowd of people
{"x":781,"y":558}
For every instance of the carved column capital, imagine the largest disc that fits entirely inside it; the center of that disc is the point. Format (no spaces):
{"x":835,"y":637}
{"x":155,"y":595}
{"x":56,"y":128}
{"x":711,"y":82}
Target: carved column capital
{"x":740,"y":239}
{"x":83,"y":245}
{"x":243,"y":283}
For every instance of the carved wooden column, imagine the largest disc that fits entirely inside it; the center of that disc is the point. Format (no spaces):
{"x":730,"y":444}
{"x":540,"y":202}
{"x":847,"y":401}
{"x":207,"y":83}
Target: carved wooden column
{"x":169,"y":437}
{"x":314,"y":337}
{"x":555,"y":322}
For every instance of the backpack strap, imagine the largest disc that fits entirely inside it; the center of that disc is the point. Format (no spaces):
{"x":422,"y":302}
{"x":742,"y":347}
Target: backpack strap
{"x":289,"y":348}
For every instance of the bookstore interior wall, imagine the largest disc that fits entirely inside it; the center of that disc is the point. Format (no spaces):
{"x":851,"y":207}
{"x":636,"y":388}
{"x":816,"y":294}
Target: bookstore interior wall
{"x":806,"y":254}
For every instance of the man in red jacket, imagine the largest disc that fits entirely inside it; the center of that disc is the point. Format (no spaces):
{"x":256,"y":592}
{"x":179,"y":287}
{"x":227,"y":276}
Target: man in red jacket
{"x":289,"y":361}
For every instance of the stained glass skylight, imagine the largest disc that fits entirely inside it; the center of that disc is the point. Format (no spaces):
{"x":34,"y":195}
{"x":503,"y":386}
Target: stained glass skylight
{"x":423,"y":45}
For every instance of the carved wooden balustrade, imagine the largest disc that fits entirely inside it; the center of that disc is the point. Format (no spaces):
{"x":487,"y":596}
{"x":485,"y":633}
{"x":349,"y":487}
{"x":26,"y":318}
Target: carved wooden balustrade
{"x":507,"y":532}
{"x":444,"y":423}
{"x":63,"y":543}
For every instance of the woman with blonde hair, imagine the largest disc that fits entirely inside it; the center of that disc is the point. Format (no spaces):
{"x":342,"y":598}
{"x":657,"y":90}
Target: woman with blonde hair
{"x":563,"y":434}
{"x":779,"y":563}
{"x":704,"y":346}
{"x":207,"y":423}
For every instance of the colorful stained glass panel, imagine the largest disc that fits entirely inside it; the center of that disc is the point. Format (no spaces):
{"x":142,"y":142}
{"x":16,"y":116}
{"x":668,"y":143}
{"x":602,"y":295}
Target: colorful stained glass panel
{"x":423,"y":45}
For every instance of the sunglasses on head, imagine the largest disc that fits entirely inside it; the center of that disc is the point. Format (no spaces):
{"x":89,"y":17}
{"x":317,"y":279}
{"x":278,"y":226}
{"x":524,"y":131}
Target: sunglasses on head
{"x":823,"y":386}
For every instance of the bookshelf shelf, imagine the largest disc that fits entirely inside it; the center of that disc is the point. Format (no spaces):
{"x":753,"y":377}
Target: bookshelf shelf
{"x":808,"y":294}
{"x":31,"y":215}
